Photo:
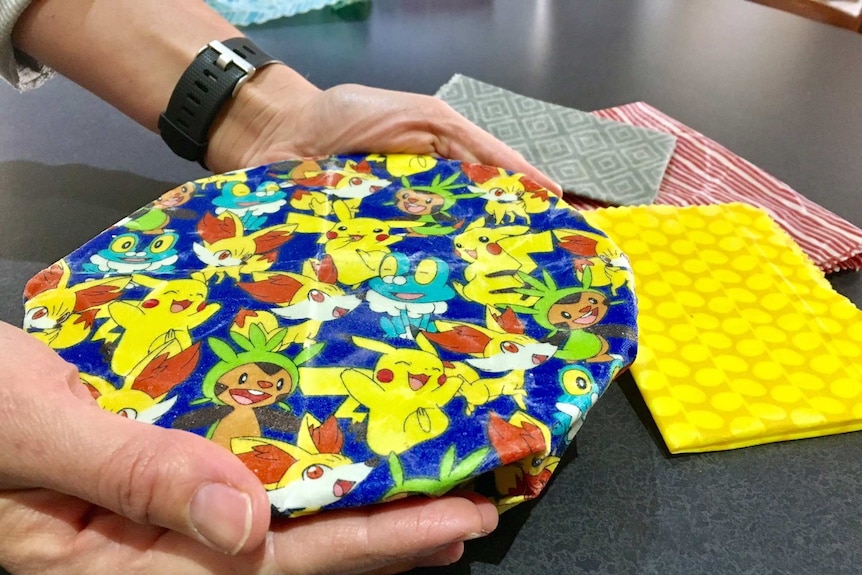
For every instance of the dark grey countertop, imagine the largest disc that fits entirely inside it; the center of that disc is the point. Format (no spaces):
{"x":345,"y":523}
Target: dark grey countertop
{"x":780,"y":91}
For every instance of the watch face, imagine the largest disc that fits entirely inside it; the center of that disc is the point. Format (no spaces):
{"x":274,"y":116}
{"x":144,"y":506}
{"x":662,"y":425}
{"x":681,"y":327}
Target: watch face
{"x":355,"y":329}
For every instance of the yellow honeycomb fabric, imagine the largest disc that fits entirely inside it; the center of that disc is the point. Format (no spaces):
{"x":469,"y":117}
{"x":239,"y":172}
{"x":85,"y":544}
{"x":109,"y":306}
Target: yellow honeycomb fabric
{"x":743,"y":341}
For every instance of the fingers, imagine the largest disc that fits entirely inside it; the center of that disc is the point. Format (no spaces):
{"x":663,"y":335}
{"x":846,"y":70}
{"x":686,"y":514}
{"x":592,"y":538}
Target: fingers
{"x":351,"y":118}
{"x":383,"y":539}
{"x":52,"y":533}
{"x":58,"y":440}
{"x":162,"y":477}
{"x":464,"y":140}
{"x":446,"y":555}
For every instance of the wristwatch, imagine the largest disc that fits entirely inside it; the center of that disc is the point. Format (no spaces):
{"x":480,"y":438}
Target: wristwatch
{"x":215,"y":75}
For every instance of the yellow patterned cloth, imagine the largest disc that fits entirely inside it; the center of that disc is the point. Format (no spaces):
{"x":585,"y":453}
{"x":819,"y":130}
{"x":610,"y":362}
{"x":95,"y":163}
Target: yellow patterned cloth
{"x":743,"y":341}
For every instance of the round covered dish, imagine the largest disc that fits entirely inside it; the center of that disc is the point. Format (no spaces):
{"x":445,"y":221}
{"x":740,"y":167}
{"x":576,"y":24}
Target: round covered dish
{"x":355,"y":328}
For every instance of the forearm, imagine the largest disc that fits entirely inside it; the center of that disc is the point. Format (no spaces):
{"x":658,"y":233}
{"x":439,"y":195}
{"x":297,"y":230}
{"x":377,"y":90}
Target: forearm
{"x":131,"y":53}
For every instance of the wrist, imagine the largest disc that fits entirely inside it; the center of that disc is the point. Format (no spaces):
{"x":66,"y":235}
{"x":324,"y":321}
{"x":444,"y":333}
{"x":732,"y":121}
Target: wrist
{"x":129,"y":53}
{"x":255,"y":127}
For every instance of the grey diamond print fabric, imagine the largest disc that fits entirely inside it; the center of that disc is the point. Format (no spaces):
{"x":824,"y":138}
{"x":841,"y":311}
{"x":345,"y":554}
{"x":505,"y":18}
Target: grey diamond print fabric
{"x":592,"y":157}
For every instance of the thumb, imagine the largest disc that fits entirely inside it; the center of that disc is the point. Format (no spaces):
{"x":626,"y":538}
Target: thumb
{"x":151,"y":475}
{"x":57,"y":438}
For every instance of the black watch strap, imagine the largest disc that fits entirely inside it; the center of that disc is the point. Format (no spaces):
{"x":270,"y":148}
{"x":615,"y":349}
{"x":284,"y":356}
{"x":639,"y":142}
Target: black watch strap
{"x":216,"y":74}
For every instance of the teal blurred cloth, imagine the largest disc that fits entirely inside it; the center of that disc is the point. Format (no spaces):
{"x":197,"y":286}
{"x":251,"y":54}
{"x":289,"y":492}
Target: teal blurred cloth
{"x":246,"y":12}
{"x":591,"y":157}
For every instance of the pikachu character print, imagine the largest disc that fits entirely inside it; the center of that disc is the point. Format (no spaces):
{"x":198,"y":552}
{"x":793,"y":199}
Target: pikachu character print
{"x":355,"y":329}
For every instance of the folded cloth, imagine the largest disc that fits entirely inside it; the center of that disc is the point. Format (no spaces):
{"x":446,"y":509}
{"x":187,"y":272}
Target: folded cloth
{"x":703,"y":172}
{"x":355,"y":329}
{"x":246,"y":12}
{"x":604,"y":160}
{"x":742,"y":339}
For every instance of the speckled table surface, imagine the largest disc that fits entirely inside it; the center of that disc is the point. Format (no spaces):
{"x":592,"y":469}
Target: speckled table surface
{"x":777,"y":90}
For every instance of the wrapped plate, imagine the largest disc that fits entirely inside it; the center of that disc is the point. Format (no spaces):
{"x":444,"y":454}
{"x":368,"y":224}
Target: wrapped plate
{"x":356,"y":328}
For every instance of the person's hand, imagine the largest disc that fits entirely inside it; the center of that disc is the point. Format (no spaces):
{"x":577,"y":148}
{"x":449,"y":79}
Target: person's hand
{"x":277,"y":115}
{"x":87,"y":491}
{"x":261,"y":127}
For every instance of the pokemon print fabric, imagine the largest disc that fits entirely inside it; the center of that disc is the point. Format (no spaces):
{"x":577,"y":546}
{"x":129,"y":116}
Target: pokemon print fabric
{"x":355,"y":329}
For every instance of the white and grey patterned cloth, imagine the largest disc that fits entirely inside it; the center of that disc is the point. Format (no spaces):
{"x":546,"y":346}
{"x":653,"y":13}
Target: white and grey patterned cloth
{"x":588,"y":156}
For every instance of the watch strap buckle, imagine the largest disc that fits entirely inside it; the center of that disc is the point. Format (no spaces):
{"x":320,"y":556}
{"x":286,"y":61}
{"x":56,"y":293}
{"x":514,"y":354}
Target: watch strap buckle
{"x":226,"y":56}
{"x":215,"y":75}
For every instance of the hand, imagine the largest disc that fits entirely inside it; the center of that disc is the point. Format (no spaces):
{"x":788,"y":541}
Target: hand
{"x":86,"y":491}
{"x":263,"y":126}
{"x":277,"y":115}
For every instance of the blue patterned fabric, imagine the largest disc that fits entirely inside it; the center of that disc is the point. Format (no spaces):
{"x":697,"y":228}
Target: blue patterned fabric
{"x":355,"y":329}
{"x":247,"y":12}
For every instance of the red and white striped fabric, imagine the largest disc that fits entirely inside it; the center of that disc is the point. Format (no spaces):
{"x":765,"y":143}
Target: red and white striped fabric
{"x":703,"y":172}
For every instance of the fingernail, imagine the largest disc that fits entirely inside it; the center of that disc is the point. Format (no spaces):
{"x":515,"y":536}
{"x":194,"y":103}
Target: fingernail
{"x":221,"y":516}
{"x":471,"y":536}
